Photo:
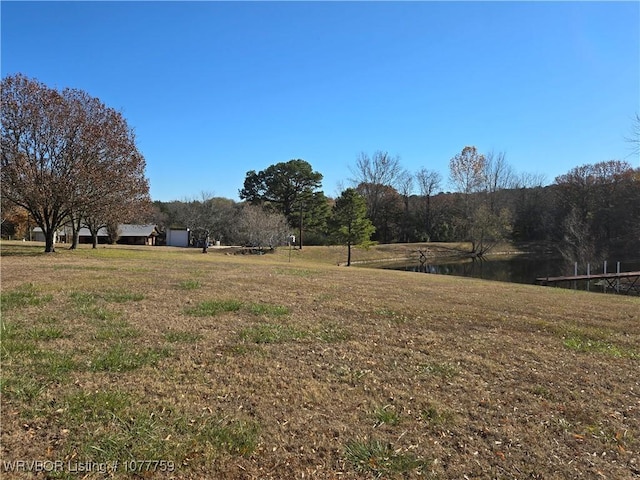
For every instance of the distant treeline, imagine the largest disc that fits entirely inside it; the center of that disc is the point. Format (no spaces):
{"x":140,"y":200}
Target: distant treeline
{"x":587,"y":214}
{"x":69,"y":160}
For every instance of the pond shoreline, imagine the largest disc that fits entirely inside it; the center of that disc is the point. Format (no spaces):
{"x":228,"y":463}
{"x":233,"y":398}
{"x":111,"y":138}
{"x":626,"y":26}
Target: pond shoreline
{"x":510,"y":267}
{"x":439,"y":253}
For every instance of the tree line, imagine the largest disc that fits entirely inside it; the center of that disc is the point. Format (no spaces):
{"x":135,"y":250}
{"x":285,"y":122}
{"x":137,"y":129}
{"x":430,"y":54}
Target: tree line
{"x":588,"y":213}
{"x":67,"y":159}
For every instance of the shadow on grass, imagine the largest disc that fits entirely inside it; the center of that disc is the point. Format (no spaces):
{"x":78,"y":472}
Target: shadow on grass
{"x":26,"y":250}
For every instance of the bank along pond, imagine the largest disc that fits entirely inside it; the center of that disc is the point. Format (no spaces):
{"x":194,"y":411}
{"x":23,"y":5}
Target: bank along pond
{"x":519,"y":269}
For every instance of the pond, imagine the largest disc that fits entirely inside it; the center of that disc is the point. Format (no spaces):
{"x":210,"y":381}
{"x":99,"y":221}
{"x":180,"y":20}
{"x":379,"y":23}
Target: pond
{"x":515,"y":269}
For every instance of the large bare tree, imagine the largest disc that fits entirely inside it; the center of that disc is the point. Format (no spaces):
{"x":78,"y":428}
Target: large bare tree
{"x":428,"y":183}
{"x":634,"y":137}
{"x":498,"y":175}
{"x":405,"y":189}
{"x":478,"y":178}
{"x":65,"y":155}
{"x":259,"y":228}
{"x":373,"y":177}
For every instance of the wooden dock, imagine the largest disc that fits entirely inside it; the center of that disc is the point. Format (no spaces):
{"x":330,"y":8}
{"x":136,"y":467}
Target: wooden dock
{"x":622,"y":282}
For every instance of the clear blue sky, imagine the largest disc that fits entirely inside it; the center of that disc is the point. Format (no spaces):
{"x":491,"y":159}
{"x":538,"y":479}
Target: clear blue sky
{"x":215,"y":89}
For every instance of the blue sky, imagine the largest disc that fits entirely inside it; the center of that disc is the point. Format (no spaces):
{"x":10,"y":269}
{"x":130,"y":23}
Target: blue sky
{"x":215,"y":89}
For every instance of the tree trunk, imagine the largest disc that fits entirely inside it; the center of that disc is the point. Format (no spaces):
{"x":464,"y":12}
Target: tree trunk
{"x":75,"y":234}
{"x":75,"y":239}
{"x":205,"y":244}
{"x":49,"y":236}
{"x":348,"y":254}
{"x":94,"y":239}
{"x":300,"y":232}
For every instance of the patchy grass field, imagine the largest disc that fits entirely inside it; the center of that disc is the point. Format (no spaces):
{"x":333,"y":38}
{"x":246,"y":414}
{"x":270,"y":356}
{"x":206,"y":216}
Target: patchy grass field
{"x":227,"y":367}
{"x":337,"y":255}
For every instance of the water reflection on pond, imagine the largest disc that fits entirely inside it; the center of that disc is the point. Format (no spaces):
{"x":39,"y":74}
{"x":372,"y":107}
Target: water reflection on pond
{"x":516,"y":269}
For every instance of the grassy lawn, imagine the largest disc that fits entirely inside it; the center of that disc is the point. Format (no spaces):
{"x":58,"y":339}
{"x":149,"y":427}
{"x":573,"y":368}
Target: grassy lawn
{"x":226,"y":367}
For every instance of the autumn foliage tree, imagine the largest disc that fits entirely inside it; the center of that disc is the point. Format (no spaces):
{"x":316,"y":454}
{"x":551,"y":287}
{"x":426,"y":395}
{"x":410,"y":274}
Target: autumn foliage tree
{"x":467,"y":169}
{"x":66,"y":156}
{"x":467,"y":175}
{"x":15,"y":222}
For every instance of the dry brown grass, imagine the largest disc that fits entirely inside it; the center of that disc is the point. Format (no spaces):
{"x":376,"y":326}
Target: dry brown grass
{"x":337,"y":255}
{"x":254,"y":367}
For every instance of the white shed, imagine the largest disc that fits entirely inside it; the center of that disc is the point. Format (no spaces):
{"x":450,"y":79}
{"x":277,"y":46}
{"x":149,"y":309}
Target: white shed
{"x":178,"y":237}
